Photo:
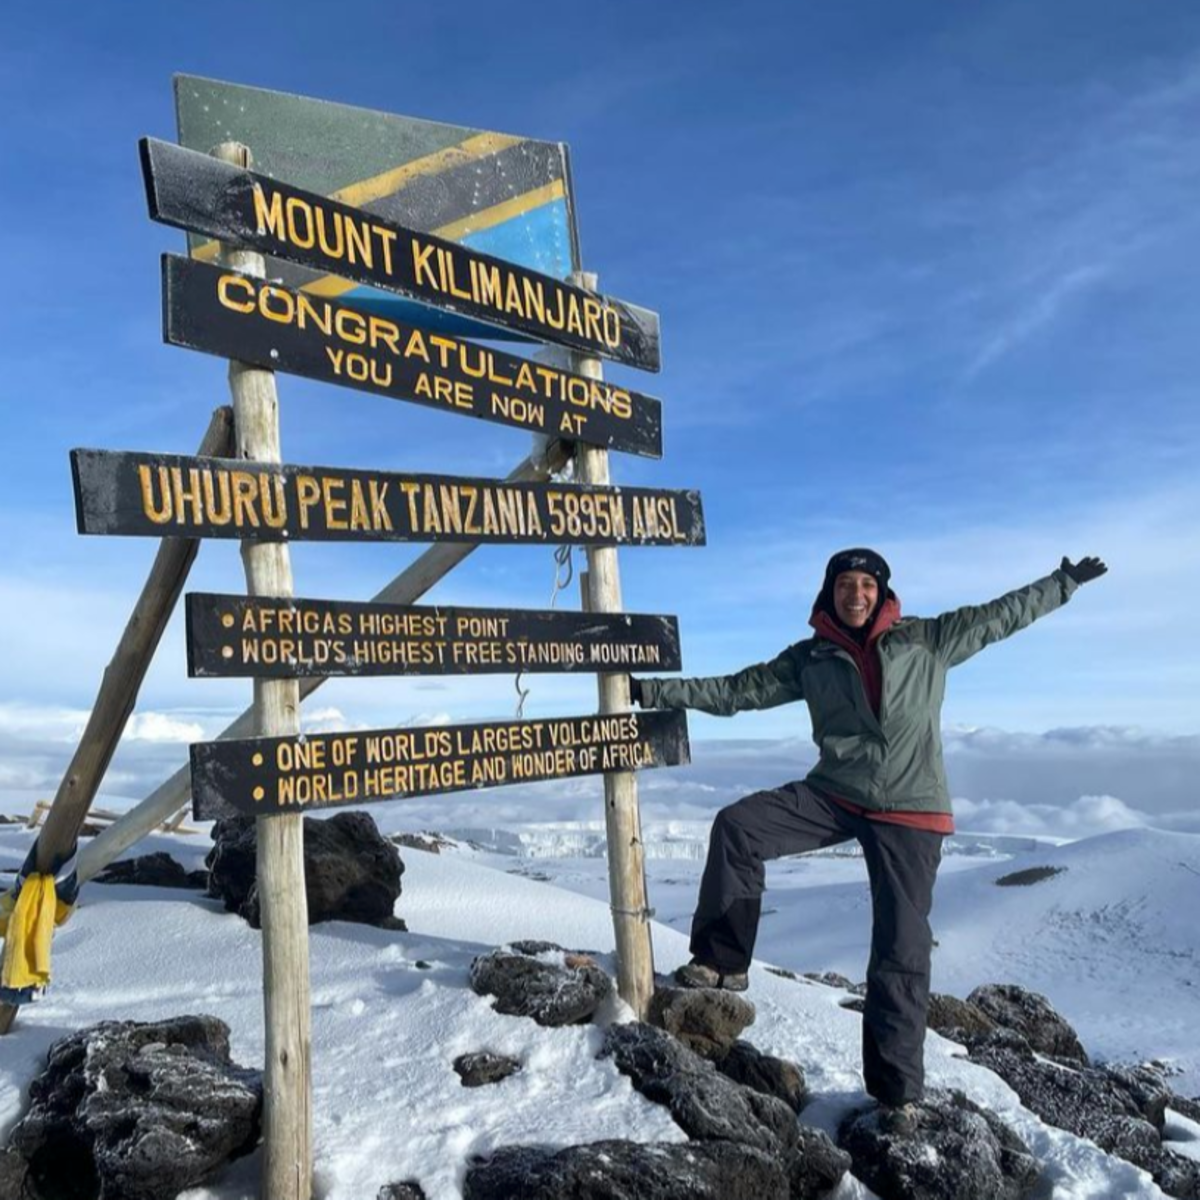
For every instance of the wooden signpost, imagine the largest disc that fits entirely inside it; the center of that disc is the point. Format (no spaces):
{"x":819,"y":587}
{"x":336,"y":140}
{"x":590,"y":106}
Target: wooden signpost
{"x":237,"y":316}
{"x":275,"y":776}
{"x":195,"y":192}
{"x":267,"y":639}
{"x":231,"y":310}
{"x":161,"y":495}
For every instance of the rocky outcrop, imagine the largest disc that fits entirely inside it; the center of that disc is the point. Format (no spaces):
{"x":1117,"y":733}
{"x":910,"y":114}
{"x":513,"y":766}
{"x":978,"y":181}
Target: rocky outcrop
{"x":777,"y":1077}
{"x":1186,"y":1107}
{"x":958,"y":1020}
{"x":834,"y":980}
{"x":407,"y":1190}
{"x":1028,"y":877}
{"x":817,"y":1166}
{"x":351,"y":871}
{"x":133,"y":1111}
{"x":1120,"y":1109}
{"x":13,"y":1170}
{"x":430,"y":843}
{"x":153,"y":870}
{"x":541,"y":981}
{"x":709,"y":1107}
{"x":617,"y":1170}
{"x":483,"y":1067}
{"x":955,"y":1149}
{"x":704,"y":1103}
{"x":707,"y":1020}
{"x":1032,"y":1016}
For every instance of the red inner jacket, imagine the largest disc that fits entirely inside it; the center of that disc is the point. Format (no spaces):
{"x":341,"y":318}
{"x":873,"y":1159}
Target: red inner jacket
{"x":870,"y":670}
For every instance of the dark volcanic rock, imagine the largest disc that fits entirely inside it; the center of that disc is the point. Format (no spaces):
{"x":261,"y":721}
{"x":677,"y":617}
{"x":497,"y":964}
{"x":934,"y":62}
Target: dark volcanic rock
{"x":704,"y":1103}
{"x":1030,"y":875}
{"x":707,"y":1020}
{"x":430,"y":843}
{"x":710,"y":1108}
{"x":475,"y":1070}
{"x":408,"y":1190}
{"x":132,"y":1111}
{"x":628,"y":1171}
{"x":351,"y":871}
{"x":1185,"y":1107}
{"x":782,"y":972}
{"x":1107,"y":1105}
{"x":834,"y":980}
{"x":551,"y":993}
{"x":957,"y":1150}
{"x":817,"y":1166}
{"x":1146,"y":1089}
{"x":959,"y":1020}
{"x":1032,"y":1016}
{"x":1081,"y":1100}
{"x":13,"y":1169}
{"x":533,"y":947}
{"x":153,"y":870}
{"x":777,"y":1077}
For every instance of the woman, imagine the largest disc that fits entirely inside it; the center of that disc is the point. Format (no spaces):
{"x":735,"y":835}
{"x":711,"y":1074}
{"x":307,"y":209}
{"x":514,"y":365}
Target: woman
{"x":874,"y":684}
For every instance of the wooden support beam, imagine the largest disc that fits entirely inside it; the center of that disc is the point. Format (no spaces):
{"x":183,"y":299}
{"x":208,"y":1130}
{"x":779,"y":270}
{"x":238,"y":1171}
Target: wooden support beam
{"x":283,"y":903}
{"x":119,"y":689}
{"x":409,"y":586}
{"x":626,"y":853}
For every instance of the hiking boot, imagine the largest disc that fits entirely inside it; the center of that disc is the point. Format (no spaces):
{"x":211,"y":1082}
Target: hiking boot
{"x":697,"y":975}
{"x":900,"y":1120}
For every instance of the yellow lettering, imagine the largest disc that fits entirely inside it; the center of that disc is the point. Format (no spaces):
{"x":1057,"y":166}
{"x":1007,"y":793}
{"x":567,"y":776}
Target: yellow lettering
{"x":226,"y":284}
{"x":421,"y":267}
{"x":306,"y":239}
{"x":308,"y":495}
{"x":160,"y":514}
{"x":269,"y":220}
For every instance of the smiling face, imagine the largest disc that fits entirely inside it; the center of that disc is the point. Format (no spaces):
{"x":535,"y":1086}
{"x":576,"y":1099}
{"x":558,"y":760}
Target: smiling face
{"x":855,"y":594}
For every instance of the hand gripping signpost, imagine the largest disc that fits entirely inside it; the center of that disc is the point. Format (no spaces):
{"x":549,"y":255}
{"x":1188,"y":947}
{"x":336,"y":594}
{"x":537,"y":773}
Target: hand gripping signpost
{"x":353,"y":242}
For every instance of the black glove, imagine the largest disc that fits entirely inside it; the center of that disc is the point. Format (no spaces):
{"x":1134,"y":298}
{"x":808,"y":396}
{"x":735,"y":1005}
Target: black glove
{"x":635,"y":691}
{"x":1085,"y":570}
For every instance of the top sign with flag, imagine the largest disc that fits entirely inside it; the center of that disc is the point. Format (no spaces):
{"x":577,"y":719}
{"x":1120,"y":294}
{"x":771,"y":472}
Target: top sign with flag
{"x":503,"y":195}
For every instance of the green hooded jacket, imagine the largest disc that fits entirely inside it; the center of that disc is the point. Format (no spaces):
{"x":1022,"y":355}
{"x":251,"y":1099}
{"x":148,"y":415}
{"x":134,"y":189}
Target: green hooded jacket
{"x":889,"y":763}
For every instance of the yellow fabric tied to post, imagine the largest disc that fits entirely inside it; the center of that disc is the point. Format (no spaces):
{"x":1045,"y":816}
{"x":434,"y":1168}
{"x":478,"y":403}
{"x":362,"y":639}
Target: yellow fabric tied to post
{"x":27,"y":922}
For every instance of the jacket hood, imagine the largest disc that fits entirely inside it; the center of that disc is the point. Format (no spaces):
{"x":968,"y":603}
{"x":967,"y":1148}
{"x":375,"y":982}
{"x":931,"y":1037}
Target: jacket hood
{"x":825,"y":622}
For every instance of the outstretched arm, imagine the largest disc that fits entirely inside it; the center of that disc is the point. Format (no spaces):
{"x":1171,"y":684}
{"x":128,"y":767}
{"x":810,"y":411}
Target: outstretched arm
{"x":959,"y":634}
{"x":762,"y":686}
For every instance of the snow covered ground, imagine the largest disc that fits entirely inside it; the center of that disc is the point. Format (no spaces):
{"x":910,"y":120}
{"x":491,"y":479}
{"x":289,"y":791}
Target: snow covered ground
{"x":1111,"y":940}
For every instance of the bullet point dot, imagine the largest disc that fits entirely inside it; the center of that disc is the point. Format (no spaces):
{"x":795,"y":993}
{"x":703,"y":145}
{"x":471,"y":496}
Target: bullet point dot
{"x":257,"y":760}
{"x":259,"y":793}
{"x":226,"y":651}
{"x":227,"y":620}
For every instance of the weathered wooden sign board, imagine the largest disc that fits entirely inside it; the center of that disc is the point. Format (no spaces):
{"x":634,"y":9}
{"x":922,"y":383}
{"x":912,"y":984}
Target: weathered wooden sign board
{"x":265,"y":324}
{"x":496,"y":192}
{"x":199,"y":193}
{"x":271,"y":776}
{"x":281,"y":638}
{"x":170,"y":495}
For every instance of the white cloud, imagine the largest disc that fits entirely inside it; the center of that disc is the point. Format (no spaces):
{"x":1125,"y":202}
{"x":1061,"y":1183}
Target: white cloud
{"x":1084,"y":817}
{"x":1040,"y":310}
{"x":162,"y":727}
{"x":326,"y":720}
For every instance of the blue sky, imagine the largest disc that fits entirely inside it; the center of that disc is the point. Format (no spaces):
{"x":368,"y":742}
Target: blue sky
{"x":926,"y":275}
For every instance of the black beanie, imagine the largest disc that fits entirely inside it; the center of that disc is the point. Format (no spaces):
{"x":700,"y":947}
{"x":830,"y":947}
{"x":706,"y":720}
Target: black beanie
{"x":859,"y":559}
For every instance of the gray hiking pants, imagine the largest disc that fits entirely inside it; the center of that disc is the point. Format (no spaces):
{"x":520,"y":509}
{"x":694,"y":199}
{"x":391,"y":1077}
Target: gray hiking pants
{"x":902,"y":864}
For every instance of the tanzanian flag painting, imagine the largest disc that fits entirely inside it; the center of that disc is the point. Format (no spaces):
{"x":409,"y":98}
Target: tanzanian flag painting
{"x":503,"y":195}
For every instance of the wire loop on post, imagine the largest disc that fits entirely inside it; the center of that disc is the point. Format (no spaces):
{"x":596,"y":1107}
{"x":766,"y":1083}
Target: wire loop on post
{"x":564,"y":572}
{"x":642,"y":914}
